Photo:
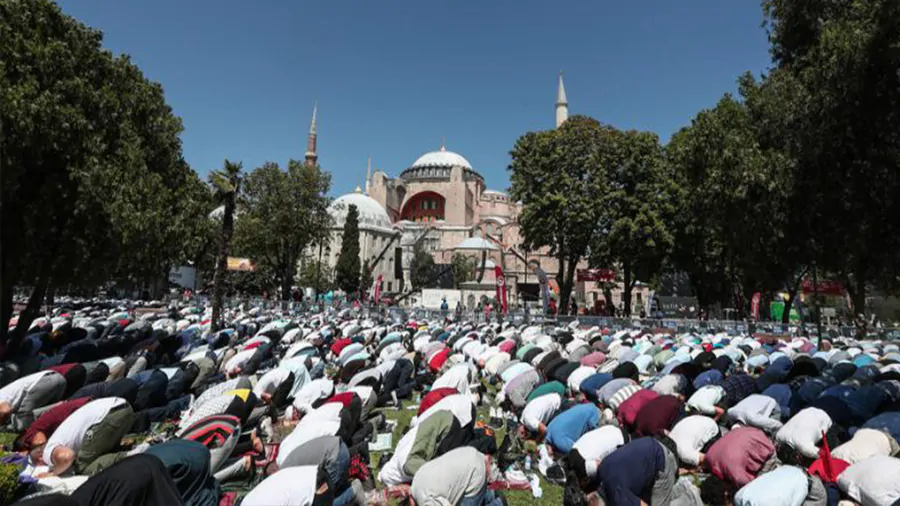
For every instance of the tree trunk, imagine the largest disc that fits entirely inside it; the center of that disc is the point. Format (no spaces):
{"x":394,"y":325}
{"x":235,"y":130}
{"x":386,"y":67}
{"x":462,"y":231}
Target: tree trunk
{"x":222,"y":261}
{"x":28,"y":315}
{"x":858,"y":299}
{"x":607,"y":294}
{"x":626,"y":290}
{"x":565,"y":288}
{"x":788,"y":304}
{"x":6,"y":310}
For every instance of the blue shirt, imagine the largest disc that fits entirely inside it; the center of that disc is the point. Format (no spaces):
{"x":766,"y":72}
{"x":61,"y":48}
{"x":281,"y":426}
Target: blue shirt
{"x":627,"y":474}
{"x":785,"y":486}
{"x":889,"y":421}
{"x":568,"y":426}
{"x":710,"y":377}
{"x":590,"y":386}
{"x":782,"y":395}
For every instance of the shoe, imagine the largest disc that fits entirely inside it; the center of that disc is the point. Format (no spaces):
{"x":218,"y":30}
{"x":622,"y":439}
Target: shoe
{"x":556,"y":474}
{"x":383,"y":459}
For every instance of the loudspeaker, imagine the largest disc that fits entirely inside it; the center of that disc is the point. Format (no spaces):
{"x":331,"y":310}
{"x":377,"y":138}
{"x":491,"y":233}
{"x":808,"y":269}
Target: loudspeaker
{"x":398,"y":263}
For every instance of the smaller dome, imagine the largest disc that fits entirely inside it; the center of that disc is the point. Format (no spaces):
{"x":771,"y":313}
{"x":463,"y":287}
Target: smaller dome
{"x":371,"y":215}
{"x":476,"y":243}
{"x":441,"y":158}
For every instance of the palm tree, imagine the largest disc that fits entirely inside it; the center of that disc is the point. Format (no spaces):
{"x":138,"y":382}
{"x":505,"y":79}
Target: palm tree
{"x":227,"y":186}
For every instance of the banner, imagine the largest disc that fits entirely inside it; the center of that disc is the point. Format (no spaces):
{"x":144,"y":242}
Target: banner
{"x":598,"y":275}
{"x":501,"y":287}
{"x":754,"y":305}
{"x":825,"y":286}
{"x":377,"y":296}
{"x":240,"y":264}
{"x":184,"y":276}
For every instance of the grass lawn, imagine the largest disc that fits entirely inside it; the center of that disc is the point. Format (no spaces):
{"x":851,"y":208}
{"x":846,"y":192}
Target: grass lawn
{"x":552,"y":494}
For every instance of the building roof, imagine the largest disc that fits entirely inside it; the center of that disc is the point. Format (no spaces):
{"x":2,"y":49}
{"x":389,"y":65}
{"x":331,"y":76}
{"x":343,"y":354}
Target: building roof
{"x":476,"y":243}
{"x":371,"y":215}
{"x":494,"y":192}
{"x":441,"y":158}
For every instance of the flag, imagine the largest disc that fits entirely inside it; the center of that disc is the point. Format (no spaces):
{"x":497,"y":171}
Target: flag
{"x":501,"y":287}
{"x":754,"y":305}
{"x":377,"y":296}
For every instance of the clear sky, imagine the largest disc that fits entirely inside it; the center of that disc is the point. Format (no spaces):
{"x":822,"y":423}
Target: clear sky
{"x":393,"y":77}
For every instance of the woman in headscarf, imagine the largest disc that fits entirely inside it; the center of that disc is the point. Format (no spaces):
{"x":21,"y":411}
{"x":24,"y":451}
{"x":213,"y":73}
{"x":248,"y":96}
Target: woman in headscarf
{"x":140,"y":479}
{"x":188,"y":463}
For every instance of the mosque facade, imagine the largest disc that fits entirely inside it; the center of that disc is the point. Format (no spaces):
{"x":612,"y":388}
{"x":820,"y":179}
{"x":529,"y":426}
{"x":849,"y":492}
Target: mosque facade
{"x":441,"y":203}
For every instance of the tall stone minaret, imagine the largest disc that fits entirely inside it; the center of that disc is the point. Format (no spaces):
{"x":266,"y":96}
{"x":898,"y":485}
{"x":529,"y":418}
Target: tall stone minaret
{"x":311,"y":155}
{"x":562,"y":106}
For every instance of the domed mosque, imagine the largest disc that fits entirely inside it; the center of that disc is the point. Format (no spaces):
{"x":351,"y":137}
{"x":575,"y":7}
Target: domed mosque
{"x":441,"y":203}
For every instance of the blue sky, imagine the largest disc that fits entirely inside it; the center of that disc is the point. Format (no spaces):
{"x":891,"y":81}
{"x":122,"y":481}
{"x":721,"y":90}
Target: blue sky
{"x":393,"y":78}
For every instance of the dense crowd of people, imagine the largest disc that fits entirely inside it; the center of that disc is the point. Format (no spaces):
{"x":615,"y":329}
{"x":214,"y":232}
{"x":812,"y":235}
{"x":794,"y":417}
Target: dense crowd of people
{"x":112,"y":407}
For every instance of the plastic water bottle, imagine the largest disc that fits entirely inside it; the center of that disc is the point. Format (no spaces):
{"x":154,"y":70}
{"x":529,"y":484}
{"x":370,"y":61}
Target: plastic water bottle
{"x":528,"y":462}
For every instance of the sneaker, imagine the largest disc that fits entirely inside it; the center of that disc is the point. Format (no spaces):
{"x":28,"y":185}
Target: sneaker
{"x":556,"y":474}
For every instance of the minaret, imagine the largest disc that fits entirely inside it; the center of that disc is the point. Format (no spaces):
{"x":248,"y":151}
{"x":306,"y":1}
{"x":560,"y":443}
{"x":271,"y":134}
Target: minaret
{"x":368,"y":174}
{"x":562,"y":106}
{"x":311,"y":155}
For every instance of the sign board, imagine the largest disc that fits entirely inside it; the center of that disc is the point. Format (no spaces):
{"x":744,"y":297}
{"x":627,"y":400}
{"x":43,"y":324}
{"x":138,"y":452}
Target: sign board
{"x":432,"y":298}
{"x":184,"y":276}
{"x":240,"y":264}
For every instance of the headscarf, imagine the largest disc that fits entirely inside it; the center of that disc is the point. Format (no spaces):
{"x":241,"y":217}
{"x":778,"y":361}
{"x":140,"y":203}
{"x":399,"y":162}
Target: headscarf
{"x":139,"y":479}
{"x":188,"y":463}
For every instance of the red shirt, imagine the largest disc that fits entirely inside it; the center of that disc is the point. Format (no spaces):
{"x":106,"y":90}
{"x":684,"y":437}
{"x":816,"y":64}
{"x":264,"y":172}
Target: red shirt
{"x":658,"y":415}
{"x":339,"y":344}
{"x":629,"y":409}
{"x":345,"y":398}
{"x":437,"y":361}
{"x":432,"y":397}
{"x":63,"y":369}
{"x":52,"y":418}
{"x":739,"y":455}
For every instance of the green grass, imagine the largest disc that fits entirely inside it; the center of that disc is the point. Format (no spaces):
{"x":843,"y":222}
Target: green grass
{"x":552,"y":494}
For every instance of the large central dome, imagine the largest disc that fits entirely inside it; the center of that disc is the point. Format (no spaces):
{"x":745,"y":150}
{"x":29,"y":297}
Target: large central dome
{"x":371,"y":215}
{"x":441,"y":158}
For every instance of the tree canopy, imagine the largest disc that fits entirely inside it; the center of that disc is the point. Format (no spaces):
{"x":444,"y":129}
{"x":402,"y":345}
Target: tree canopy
{"x":94,"y":184}
{"x":348,"y":264}
{"x":282,"y":212}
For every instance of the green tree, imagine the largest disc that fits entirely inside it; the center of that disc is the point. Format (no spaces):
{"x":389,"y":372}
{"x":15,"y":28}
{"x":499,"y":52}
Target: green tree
{"x":348,"y":264}
{"x":463,"y":269}
{"x":316,"y":275}
{"x":842,"y":60}
{"x":421,"y":268}
{"x":559,"y":175}
{"x":637,"y":210}
{"x":283,"y":212}
{"x":94,"y":184}
{"x":365,"y":278}
{"x":732,"y":235}
{"x":227,"y":185}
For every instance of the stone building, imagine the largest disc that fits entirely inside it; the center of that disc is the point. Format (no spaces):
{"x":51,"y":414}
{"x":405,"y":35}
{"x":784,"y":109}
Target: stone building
{"x":441,"y":202}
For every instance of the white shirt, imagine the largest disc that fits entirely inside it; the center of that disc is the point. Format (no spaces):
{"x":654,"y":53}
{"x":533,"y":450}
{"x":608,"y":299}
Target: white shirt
{"x":15,"y":392}
{"x":757,"y":410}
{"x":804,"y":431}
{"x":865,"y":443}
{"x":311,"y":392}
{"x":705,"y":399}
{"x":600,"y":442}
{"x":307,"y":430}
{"x":690,"y":435}
{"x":170,"y":372}
{"x":540,"y":411}
{"x":460,"y":405}
{"x":238,"y":360}
{"x":291,"y":486}
{"x":270,"y":381}
{"x":456,"y":377}
{"x":392,"y":473}
{"x":873,"y":481}
{"x":579,"y":375}
{"x":71,"y":432}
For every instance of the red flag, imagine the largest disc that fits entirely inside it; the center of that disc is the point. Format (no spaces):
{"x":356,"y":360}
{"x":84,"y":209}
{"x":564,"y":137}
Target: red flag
{"x":827,"y":467}
{"x":501,"y":287}
{"x":378,"y":289}
{"x":754,"y":305}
